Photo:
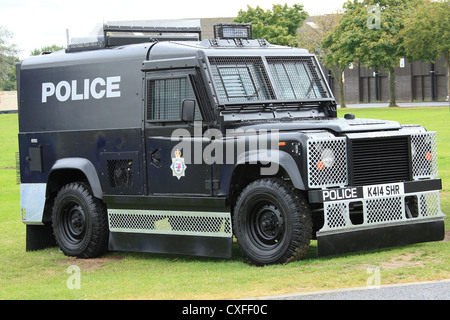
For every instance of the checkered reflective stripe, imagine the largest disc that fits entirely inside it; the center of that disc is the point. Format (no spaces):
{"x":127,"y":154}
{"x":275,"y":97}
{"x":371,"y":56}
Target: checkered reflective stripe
{"x":212,"y":224}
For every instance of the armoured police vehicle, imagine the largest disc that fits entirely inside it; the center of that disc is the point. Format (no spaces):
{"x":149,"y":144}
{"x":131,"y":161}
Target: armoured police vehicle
{"x":163,"y":142}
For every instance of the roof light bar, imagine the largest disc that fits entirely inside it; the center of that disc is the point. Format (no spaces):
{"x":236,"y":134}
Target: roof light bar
{"x":233,"y":31}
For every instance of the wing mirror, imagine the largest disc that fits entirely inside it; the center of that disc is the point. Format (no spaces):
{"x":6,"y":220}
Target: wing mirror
{"x":188,"y":110}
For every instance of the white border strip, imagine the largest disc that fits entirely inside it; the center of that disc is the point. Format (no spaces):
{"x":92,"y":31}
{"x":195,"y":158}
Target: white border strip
{"x":159,"y":222}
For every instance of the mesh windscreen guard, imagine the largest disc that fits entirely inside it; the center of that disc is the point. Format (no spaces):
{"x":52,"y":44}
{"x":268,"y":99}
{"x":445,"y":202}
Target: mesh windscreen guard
{"x":241,"y":79}
{"x":297,"y":78}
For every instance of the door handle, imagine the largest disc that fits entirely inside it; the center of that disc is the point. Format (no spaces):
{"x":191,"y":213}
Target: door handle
{"x":155,"y":158}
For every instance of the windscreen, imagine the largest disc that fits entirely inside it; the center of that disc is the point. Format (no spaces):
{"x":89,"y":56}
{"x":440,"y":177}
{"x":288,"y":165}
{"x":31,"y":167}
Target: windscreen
{"x":246,"y":79}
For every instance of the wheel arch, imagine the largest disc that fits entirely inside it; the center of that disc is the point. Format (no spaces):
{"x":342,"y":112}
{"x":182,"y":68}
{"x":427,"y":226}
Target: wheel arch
{"x":74,"y":169}
{"x":69,"y":170}
{"x":249,"y":165}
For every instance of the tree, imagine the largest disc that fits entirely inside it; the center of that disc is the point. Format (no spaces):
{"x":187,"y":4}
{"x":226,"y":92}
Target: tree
{"x":369,"y":32}
{"x":51,"y":48}
{"x":311,"y":34}
{"x":9,"y":81}
{"x":278,"y":26}
{"x":427,"y":34}
{"x":8,"y":59}
{"x":324,"y":39}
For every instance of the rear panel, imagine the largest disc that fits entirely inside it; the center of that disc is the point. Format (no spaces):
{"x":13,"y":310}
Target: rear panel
{"x":81,"y":91}
{"x":83,"y":105}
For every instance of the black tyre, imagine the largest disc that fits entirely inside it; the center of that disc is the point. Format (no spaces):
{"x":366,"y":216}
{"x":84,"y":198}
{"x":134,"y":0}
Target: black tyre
{"x":272,"y":222}
{"x":80,"y":222}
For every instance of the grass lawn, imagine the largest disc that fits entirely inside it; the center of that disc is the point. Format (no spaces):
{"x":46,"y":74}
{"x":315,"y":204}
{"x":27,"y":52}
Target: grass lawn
{"x":46,"y":274}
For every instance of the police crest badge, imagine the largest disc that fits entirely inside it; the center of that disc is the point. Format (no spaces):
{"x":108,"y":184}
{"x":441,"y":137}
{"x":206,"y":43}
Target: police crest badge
{"x":178,"y":167}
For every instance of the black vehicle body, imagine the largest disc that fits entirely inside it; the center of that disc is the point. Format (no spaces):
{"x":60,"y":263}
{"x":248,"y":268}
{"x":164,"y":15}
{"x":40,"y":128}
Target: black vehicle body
{"x":98,"y":117}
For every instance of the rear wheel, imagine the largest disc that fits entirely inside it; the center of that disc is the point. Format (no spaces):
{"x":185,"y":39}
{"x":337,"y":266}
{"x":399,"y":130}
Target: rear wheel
{"x":79,"y":222}
{"x":272,"y":222}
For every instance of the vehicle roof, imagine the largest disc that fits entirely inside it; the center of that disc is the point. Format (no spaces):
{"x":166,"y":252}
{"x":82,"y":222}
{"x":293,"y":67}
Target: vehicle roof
{"x":63,"y":58}
{"x":217,"y":47}
{"x":161,"y":50}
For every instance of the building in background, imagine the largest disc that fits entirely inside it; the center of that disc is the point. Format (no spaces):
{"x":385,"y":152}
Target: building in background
{"x":417,"y":81}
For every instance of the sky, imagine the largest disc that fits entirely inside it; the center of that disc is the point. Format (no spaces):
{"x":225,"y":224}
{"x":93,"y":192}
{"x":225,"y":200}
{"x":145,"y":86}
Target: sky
{"x":39,"y":23}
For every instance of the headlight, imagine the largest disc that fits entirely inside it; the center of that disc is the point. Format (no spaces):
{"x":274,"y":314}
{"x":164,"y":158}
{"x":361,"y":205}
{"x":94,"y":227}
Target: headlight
{"x":328,"y":158}
{"x":424,"y":155}
{"x":327,"y":162}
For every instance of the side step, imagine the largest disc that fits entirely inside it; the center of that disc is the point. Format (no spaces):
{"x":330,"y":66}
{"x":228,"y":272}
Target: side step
{"x":354,"y":240}
{"x":173,"y":232}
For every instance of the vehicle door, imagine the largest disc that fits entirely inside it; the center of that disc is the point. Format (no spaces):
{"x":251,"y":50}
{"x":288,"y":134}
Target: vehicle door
{"x":173,"y":146}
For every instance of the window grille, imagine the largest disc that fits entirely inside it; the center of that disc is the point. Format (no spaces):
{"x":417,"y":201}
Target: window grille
{"x":165,"y":97}
{"x":241,"y":79}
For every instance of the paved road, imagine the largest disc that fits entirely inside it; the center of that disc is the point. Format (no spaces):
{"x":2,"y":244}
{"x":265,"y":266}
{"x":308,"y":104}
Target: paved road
{"x":400,"y":104}
{"x":433,"y":290}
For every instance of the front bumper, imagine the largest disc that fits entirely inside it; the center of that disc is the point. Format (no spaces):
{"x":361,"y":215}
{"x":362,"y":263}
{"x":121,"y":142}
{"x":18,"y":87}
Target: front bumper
{"x":372,"y":217}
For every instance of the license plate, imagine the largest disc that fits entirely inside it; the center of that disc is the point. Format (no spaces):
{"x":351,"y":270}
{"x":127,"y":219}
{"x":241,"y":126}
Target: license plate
{"x":383,"y":190}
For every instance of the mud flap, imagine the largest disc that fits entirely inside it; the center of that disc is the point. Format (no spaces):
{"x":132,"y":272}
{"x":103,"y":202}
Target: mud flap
{"x":333,"y":243}
{"x":39,"y":237}
{"x":171,"y":244}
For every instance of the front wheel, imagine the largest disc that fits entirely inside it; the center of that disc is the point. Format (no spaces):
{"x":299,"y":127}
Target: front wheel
{"x":80,"y":222}
{"x":272,"y":222}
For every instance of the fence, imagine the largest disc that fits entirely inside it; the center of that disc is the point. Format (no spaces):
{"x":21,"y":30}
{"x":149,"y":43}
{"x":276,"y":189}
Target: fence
{"x":8,"y":101}
{"x":417,"y":81}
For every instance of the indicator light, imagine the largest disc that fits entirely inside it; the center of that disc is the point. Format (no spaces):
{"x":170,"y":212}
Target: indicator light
{"x":320,"y":165}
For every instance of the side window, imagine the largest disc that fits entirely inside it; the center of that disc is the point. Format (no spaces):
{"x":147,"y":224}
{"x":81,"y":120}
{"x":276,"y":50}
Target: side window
{"x":165,"y":96}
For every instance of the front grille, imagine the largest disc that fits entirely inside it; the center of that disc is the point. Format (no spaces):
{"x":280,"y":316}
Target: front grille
{"x":377,"y":161}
